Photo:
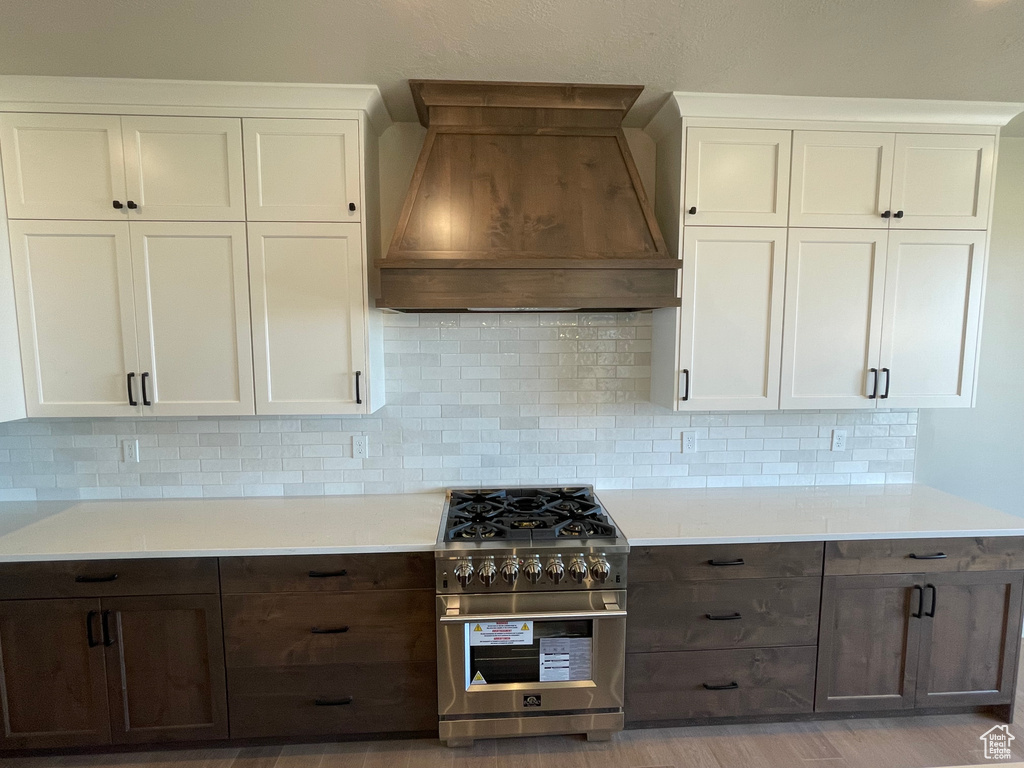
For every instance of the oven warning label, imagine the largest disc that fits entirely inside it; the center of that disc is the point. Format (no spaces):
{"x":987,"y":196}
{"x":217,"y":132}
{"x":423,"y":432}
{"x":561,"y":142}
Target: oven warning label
{"x":478,"y":679}
{"x":565,"y":658}
{"x":501,"y":633}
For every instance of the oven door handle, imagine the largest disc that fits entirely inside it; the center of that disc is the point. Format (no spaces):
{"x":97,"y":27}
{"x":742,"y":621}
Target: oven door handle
{"x":611,"y":612}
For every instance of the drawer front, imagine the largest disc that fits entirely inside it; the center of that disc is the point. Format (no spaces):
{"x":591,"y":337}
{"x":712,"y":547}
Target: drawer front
{"x":108,"y":578}
{"x":328,"y":700}
{"x":747,"y":613}
{"x":724,"y":561}
{"x":288,"y":630}
{"x":327,"y":573}
{"x":761,"y":681}
{"x":997,"y":553}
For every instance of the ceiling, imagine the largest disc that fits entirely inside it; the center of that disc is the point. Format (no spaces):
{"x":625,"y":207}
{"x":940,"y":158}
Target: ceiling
{"x":939,"y":49}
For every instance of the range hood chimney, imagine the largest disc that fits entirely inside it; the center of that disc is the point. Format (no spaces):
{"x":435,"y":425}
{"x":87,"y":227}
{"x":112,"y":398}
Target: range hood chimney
{"x":525,"y":196}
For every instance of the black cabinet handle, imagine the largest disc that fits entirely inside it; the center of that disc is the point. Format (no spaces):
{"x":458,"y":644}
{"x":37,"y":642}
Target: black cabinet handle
{"x":898,"y":215}
{"x":93,"y":642}
{"x":888,"y":379}
{"x":118,"y":204}
{"x":693,"y":210}
{"x":737,"y":561}
{"x":327,"y":574}
{"x":330,"y":631}
{"x":145,"y":397}
{"x":686,"y":385}
{"x":920,"y":601}
{"x":727,"y":687}
{"x":333,"y":702}
{"x":874,"y":388}
{"x":352,"y":207}
{"x":936,"y":556}
{"x":108,"y":640}
{"x":930,"y":613}
{"x":132,"y":205}
{"x":131,"y":395}
{"x":724,"y":616}
{"x":359,"y":399}
{"x":886,"y":214}
{"x":95,"y":579}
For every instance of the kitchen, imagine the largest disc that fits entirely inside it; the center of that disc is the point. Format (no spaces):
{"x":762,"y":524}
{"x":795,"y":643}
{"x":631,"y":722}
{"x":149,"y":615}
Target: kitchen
{"x":191,"y":471}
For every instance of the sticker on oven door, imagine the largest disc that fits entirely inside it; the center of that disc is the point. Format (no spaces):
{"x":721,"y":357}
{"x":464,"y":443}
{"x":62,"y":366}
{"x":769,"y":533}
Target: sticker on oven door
{"x":501,"y":633}
{"x":478,"y":679}
{"x":565,"y":658}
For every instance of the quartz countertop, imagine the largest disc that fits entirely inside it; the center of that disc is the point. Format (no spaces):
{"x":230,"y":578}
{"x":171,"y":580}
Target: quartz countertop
{"x":88,"y":530}
{"x":832,"y":513}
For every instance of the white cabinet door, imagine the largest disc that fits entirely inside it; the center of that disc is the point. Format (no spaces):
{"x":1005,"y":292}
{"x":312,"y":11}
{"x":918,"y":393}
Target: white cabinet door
{"x":841,"y":179}
{"x":731,"y":318}
{"x":192,"y":300}
{"x":308,"y":318}
{"x":942,"y":181}
{"x":76,"y":317}
{"x":184,"y":168}
{"x":835,"y":281}
{"x":63,"y":166}
{"x":302,"y":170}
{"x":931,"y":318}
{"x":737,"y":177}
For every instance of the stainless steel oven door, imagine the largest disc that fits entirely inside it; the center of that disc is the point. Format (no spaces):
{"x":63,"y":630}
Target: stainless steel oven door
{"x":531,"y":653}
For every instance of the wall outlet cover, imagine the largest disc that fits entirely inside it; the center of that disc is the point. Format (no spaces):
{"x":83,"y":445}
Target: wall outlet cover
{"x":360,"y":446}
{"x":838,"y":439}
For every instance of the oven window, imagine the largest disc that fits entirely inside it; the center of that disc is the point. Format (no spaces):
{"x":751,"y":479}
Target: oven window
{"x":561,"y":650}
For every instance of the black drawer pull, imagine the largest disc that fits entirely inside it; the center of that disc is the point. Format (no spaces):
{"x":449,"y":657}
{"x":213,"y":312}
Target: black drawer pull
{"x":727,"y":687}
{"x":108,"y":639}
{"x":327,"y":574}
{"x":724,"y":616}
{"x":93,"y":642}
{"x":145,"y":396}
{"x":930,"y":613}
{"x":936,"y":556}
{"x":333,"y":702}
{"x":329,"y":631}
{"x":920,"y":601}
{"x":131,"y":395}
{"x":737,"y":561}
{"x":95,"y":579}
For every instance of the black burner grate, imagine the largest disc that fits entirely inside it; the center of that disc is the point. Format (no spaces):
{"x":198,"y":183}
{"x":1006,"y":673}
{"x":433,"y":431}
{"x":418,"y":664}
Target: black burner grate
{"x":526,"y":513}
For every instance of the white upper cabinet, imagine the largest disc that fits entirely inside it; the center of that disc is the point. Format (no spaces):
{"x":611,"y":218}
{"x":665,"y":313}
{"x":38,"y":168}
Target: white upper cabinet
{"x":942,"y":181}
{"x":184,"y":168}
{"x":931,"y":318}
{"x":76,"y":317}
{"x":737,"y":177}
{"x":192,"y":314}
{"x":308,"y":318}
{"x":63,"y":166}
{"x":731,"y":318}
{"x":841,"y":179}
{"x":835,"y":281}
{"x":302,"y":170}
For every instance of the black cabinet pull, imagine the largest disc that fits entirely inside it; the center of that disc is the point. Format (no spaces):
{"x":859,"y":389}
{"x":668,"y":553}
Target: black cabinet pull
{"x":330,"y":631}
{"x":693,"y":210}
{"x":886,"y":214}
{"x":686,"y":385}
{"x":131,"y":395}
{"x":898,"y":215}
{"x":145,"y":397}
{"x":95,"y":579}
{"x":327,"y":574}
{"x":333,"y":702}
{"x":737,"y":561}
{"x":727,"y":687}
{"x":132,"y":205}
{"x":724,"y":616}
{"x":93,"y":642}
{"x":118,"y":204}
{"x":920,"y":601}
{"x":930,"y":613}
{"x":874,"y":388}
{"x":352,"y":207}
{"x":936,"y":556}
{"x":108,"y":640}
{"x":888,"y":379}
{"x":359,"y":399}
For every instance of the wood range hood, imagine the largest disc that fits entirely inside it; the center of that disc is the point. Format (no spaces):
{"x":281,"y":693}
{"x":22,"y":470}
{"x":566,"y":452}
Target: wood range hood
{"x":526,"y":197}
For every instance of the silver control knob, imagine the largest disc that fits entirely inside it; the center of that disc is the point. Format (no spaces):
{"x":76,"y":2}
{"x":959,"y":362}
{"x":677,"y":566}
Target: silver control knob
{"x":555,"y":571}
{"x":510,"y":571}
{"x":532,"y":571}
{"x":464,"y":573}
{"x":578,"y":570}
{"x":600,"y":571}
{"x":487,"y":573}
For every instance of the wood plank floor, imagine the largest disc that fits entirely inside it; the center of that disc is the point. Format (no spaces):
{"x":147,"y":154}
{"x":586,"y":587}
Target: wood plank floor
{"x":920,"y":742}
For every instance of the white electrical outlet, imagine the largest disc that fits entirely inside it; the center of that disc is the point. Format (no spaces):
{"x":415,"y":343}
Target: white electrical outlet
{"x":838,"y":439}
{"x":689,"y":442}
{"x":360,"y":446}
{"x":130,"y":451}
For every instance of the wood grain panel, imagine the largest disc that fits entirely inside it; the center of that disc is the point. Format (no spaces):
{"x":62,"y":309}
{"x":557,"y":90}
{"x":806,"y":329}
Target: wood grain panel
{"x":688,"y":563}
{"x":170,"y":576}
{"x":998,"y":553}
{"x":339,"y":573}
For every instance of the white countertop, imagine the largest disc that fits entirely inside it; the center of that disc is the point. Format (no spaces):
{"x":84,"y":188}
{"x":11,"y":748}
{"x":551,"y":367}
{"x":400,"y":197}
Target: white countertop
{"x":829,"y":513}
{"x":88,"y":530}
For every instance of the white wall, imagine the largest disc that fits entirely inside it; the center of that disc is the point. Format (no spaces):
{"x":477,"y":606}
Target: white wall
{"x":979,"y":453}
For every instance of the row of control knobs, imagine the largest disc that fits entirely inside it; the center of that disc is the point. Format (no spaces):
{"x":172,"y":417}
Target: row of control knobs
{"x":510,"y":570}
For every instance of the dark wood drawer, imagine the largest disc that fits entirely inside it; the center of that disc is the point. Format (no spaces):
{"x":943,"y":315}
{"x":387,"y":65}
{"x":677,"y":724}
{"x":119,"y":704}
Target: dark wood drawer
{"x":761,"y":681}
{"x":278,"y":630}
{"x":108,"y":578}
{"x":382,"y":698}
{"x":843,"y":558}
{"x":724,"y":561}
{"x":702,"y":614}
{"x":327,"y":573}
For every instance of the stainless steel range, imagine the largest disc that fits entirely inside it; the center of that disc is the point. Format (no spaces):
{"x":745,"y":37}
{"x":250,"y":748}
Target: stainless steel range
{"x":531,"y":609}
